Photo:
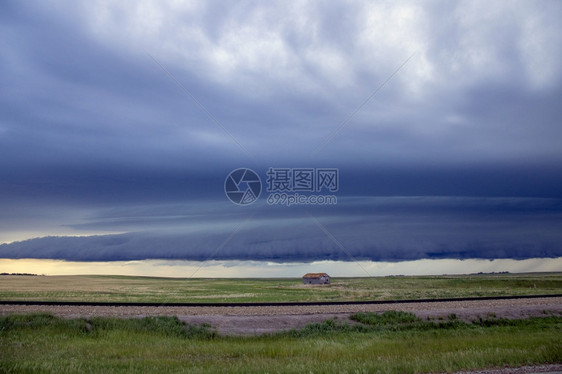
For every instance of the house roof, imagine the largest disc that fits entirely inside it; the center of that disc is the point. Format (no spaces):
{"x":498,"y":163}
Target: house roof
{"x":315,"y":275}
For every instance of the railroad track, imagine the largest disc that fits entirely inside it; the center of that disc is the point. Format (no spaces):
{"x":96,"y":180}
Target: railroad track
{"x":262,"y":304}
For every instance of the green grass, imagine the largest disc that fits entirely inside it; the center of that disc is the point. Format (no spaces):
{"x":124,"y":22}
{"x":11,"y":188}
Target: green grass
{"x":147,"y":289}
{"x":394,"y":342}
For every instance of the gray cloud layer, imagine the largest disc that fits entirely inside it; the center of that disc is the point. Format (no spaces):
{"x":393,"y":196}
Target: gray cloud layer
{"x":390,"y":229}
{"x":89,"y":123}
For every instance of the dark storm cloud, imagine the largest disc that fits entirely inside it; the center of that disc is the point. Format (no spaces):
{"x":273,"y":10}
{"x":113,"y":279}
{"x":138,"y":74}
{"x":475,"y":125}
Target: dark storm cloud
{"x":95,"y":132}
{"x":80,"y":89}
{"x":71,"y":102}
{"x":380,"y":229}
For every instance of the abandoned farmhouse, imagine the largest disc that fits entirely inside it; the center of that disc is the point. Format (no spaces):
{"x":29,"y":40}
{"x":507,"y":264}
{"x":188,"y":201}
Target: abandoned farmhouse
{"x":316,"y":278}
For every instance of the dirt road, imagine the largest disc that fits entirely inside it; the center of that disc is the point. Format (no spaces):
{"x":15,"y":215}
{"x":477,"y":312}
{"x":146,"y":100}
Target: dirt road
{"x":252,"y":320}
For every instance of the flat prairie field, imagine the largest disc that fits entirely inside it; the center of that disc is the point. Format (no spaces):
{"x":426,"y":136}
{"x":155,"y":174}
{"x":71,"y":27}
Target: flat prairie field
{"x":392,"y":341}
{"x":98,"y":288}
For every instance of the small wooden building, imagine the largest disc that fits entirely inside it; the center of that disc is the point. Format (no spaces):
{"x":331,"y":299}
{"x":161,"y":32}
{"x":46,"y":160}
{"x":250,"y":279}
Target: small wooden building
{"x":316,"y":278}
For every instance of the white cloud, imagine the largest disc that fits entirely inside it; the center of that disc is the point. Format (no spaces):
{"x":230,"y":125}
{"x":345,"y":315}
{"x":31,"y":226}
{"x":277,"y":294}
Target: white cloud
{"x":258,"y":47}
{"x":541,"y":48}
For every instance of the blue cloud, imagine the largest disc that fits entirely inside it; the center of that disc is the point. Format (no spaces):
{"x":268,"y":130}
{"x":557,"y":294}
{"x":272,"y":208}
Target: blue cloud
{"x":379,"y":229}
{"x":88,"y":120}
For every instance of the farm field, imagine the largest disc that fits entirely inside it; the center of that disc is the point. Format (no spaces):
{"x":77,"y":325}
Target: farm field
{"x":393,"y":342}
{"x":148,"y":289}
{"x":385,"y":341}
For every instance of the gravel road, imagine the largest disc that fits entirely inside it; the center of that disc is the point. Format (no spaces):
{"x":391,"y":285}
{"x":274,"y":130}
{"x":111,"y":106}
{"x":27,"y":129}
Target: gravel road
{"x":251,"y":320}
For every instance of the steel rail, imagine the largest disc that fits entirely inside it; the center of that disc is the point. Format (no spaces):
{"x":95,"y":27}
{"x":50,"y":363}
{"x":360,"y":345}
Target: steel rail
{"x":285,"y":303}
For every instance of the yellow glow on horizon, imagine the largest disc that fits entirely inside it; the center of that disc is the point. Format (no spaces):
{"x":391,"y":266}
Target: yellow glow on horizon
{"x":258,"y":269}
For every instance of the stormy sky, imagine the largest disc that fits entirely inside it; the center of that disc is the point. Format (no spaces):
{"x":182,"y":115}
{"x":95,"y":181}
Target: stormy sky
{"x":120,"y":122}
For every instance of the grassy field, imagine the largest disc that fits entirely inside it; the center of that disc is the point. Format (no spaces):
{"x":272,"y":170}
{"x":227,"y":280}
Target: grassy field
{"x":147,"y":289}
{"x":395,"y":342}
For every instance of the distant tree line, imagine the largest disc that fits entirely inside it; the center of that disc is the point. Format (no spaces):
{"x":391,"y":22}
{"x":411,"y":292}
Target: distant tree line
{"x":27,"y":274}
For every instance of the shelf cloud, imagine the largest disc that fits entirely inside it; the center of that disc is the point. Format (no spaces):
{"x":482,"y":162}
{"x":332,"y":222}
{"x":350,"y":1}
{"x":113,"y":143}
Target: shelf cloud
{"x":375,"y":229}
